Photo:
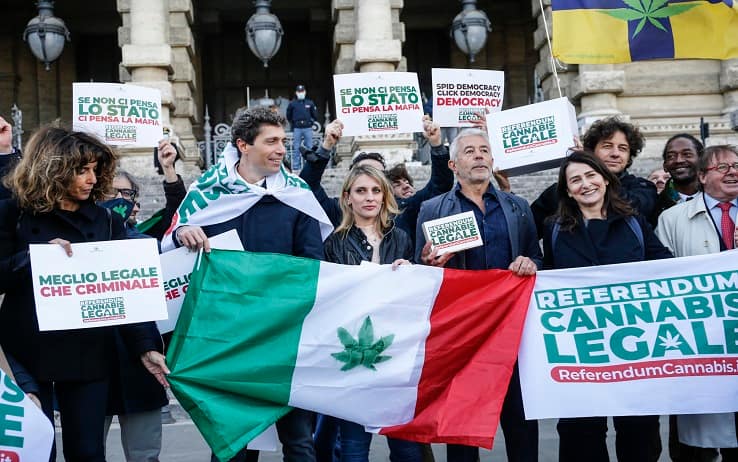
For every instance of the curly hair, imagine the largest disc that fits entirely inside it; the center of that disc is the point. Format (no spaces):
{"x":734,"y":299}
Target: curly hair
{"x":247,"y":123}
{"x":388,"y":206}
{"x":50,"y":162}
{"x":569,"y":214}
{"x":604,"y":129}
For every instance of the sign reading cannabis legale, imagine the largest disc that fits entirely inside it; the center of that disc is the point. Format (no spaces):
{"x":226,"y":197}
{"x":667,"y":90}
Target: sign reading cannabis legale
{"x":453,"y":233}
{"x":378,"y":103}
{"x":533,"y":137}
{"x":461,"y":95}
{"x":101,"y":284}
{"x":635,"y":339}
{"x":120,"y":115}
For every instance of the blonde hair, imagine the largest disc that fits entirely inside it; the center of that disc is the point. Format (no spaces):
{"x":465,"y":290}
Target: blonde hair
{"x":51,"y":160}
{"x":388,"y":208}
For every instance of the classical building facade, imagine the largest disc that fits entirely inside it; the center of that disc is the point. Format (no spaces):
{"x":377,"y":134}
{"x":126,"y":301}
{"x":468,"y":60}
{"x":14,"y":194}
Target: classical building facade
{"x":195,"y":52}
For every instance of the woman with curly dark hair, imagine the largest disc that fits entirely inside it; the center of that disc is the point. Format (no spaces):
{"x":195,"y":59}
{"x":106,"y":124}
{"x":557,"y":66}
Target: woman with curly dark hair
{"x":55,"y":186}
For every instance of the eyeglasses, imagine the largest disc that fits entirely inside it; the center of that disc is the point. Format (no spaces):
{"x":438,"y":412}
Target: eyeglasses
{"x":128,"y":194}
{"x":723,"y":167}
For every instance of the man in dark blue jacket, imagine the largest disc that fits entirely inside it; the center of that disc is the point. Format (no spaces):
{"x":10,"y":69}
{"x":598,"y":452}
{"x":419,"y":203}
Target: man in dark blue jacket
{"x":301,"y":113}
{"x":510,"y":242}
{"x":269,"y":225}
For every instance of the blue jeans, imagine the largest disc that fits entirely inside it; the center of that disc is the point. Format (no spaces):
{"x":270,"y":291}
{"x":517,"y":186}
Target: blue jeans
{"x":355,"y":445}
{"x":298,"y":135}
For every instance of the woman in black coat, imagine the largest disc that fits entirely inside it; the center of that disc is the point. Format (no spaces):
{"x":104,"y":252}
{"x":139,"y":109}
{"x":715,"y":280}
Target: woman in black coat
{"x":55,"y":185}
{"x":366,"y":233}
{"x":595,"y":226}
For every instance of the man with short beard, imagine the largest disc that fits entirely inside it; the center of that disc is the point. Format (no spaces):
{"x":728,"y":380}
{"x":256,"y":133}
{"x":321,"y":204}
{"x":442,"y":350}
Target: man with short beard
{"x":681,"y":153}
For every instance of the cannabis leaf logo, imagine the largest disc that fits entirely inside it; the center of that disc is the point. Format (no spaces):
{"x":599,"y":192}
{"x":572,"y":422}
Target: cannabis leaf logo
{"x":364,"y":351}
{"x":670,"y":342}
{"x":120,"y":210}
{"x":648,"y":10}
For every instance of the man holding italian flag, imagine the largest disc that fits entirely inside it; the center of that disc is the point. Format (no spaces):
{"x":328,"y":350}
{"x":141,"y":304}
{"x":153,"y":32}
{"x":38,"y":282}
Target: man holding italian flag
{"x":420,"y":353}
{"x":273,"y":211}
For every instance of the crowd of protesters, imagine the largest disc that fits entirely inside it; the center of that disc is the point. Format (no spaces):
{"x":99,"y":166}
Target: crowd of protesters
{"x":65,"y":188}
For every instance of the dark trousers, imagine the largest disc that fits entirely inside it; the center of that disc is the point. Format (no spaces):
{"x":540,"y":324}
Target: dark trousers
{"x":82,"y":408}
{"x":325,"y":437}
{"x":521,"y":436}
{"x":295,"y":432}
{"x":637,"y":438}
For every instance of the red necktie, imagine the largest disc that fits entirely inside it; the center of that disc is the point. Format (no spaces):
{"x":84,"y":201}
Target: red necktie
{"x":727,"y":227}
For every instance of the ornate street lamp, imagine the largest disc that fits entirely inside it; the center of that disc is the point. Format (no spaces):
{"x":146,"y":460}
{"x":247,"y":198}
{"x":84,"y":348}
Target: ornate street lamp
{"x":470,"y":28}
{"x":46,"y":34}
{"x":264,"y":32}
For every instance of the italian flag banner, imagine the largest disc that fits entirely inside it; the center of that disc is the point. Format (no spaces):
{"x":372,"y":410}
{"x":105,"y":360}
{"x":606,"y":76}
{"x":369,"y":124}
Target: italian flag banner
{"x":418,"y":353}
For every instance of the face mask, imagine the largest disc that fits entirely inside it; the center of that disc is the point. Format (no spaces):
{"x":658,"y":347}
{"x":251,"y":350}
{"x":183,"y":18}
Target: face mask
{"x":300,"y":95}
{"x":121,"y":206}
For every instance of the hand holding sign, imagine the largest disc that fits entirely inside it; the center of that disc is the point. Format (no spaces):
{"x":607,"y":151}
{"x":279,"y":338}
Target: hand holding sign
{"x":431,"y":131}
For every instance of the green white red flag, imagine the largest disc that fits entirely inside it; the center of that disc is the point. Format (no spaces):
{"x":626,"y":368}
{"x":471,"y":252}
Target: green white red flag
{"x":419,"y":353}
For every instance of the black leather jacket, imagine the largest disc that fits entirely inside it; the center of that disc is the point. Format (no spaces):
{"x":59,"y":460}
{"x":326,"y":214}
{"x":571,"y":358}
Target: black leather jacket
{"x":352,"y":247}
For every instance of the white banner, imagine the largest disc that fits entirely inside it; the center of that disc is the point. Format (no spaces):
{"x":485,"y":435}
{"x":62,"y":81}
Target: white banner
{"x":460,"y":95}
{"x":26,"y":434}
{"x":120,"y":115}
{"x":177,"y":266}
{"x":657,"y":337}
{"x":378,"y":103}
{"x":102,"y":284}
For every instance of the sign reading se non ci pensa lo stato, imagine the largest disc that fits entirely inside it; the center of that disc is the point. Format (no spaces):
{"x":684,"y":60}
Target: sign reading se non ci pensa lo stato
{"x":102,"y":284}
{"x":376,"y":103}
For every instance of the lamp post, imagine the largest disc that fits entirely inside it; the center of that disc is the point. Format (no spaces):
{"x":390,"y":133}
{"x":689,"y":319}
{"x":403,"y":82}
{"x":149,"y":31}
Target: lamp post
{"x":46,"y":34}
{"x":470,"y":28}
{"x":264,"y":32}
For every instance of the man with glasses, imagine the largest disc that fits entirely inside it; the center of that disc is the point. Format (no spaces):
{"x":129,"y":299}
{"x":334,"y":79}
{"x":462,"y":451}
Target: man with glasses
{"x":702,"y":226}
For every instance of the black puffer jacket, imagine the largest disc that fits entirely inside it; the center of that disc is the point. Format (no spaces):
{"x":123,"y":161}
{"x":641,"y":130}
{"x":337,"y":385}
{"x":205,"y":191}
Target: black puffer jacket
{"x":352,"y":248}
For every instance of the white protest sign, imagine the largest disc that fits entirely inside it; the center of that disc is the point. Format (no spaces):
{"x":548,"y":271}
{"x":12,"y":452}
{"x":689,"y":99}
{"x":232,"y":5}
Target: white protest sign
{"x":533,"y":137}
{"x":373,"y":103}
{"x":460,"y":95}
{"x":102,"y":284}
{"x":177,"y":265}
{"x":26,"y":434}
{"x":120,"y":115}
{"x":647,"y":338}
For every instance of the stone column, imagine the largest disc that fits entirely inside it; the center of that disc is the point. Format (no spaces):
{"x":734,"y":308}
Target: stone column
{"x":184,"y":79}
{"x":729,"y":88}
{"x":378,"y":48}
{"x":147,"y":56}
{"x":596,"y":87}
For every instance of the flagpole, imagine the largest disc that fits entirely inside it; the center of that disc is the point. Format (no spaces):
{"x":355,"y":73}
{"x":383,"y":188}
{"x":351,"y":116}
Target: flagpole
{"x":550,"y":48}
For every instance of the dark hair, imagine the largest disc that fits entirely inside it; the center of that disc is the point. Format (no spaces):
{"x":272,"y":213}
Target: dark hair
{"x":399,"y":172}
{"x":711,"y":153}
{"x":368,"y":155}
{"x":247,"y":123}
{"x":604,"y":129}
{"x":50,"y":162}
{"x":697,"y":144}
{"x":569,"y":215}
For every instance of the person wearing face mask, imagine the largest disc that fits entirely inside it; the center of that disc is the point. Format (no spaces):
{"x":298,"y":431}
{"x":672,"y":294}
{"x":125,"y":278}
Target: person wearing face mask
{"x":301,"y":113}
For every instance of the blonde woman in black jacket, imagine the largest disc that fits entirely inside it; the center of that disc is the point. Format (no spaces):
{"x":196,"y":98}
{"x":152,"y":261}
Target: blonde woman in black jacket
{"x":366,"y":233}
